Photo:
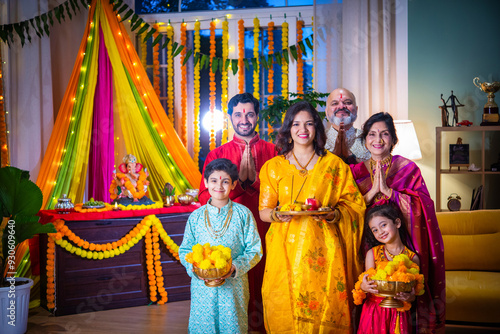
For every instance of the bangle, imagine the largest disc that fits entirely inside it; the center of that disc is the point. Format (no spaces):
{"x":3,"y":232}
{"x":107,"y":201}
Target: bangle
{"x":273,"y":216}
{"x":336,"y":217}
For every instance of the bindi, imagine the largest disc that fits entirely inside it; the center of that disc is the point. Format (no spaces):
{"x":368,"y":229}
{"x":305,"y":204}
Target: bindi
{"x":341,"y":96}
{"x":243,"y":110}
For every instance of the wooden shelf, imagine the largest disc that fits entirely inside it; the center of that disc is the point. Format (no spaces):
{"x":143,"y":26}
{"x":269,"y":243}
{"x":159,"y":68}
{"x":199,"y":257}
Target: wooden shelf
{"x":440,"y":171}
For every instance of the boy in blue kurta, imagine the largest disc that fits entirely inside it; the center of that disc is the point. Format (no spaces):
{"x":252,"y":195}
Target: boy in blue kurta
{"x":224,"y":308}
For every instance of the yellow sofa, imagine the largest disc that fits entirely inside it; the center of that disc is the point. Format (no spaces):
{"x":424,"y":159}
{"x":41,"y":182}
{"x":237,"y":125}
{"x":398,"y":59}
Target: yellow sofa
{"x":472,"y":260}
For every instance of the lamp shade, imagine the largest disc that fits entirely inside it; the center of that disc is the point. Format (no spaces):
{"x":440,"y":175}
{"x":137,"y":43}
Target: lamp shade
{"x":407,"y":145}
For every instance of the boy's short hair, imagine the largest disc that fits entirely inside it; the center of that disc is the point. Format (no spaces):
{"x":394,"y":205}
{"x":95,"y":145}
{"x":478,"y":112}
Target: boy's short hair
{"x":243,"y":98}
{"x":222,"y":164}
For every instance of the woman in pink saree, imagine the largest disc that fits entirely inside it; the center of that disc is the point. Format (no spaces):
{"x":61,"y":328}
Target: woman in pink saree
{"x":386,"y":178}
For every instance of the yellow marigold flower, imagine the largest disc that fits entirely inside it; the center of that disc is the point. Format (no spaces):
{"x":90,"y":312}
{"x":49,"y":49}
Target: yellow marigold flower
{"x":227,"y":253}
{"x":198,"y":248}
{"x":220,"y":263}
{"x":216,"y":254}
{"x":198,"y":257}
{"x":205,"y":264}
{"x":380,"y":275}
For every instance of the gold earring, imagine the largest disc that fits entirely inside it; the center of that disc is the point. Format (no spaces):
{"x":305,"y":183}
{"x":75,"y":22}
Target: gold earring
{"x":290,"y":140}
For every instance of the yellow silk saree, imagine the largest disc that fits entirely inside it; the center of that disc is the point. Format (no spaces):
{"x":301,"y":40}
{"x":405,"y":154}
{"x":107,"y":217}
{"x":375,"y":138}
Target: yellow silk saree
{"x":311,"y":266}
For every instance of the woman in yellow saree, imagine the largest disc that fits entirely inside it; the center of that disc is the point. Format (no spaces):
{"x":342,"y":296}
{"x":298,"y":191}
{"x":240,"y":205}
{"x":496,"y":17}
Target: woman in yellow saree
{"x":313,"y":261}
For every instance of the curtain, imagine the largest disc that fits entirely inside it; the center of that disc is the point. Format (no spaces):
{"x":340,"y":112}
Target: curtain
{"x":362,"y":45}
{"x":28,"y":89}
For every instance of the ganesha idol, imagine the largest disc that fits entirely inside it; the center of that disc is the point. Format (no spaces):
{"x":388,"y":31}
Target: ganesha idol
{"x":129,"y":185}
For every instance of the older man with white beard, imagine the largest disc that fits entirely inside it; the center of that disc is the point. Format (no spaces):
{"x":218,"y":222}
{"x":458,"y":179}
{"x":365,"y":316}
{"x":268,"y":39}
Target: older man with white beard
{"x":342,"y":138}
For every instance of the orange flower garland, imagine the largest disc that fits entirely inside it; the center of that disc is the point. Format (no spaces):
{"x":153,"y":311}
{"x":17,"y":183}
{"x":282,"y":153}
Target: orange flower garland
{"x":4,"y":150}
{"x":156,"y":65}
{"x":150,"y":227}
{"x":170,"y":74}
{"x":212,"y":84}
{"x":241,"y":55}
{"x":196,"y":89}
{"x":51,"y":288}
{"x":183,"y":87}
{"x":223,"y":98}
{"x":144,"y":50}
{"x":270,"y":73}
{"x":300,"y":61}
{"x":138,"y":194}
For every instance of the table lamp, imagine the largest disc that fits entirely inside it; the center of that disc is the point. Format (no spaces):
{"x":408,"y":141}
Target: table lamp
{"x":407,"y":145}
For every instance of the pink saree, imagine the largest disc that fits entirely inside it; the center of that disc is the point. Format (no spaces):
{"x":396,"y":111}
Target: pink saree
{"x":411,"y":195}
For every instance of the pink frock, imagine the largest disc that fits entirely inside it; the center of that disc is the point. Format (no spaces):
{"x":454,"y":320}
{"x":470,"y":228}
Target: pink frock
{"x":381,"y":320}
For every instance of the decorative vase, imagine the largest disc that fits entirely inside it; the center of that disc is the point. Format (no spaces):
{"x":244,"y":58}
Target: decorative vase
{"x":168,"y":201}
{"x":14,"y":304}
{"x":64,"y":205}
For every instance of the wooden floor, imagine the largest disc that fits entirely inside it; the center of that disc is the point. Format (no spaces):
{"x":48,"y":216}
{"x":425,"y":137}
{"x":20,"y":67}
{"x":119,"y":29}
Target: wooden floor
{"x":171,"y":318}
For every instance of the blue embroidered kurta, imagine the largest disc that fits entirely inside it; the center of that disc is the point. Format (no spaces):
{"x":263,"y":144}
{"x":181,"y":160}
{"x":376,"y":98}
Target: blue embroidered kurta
{"x":222,"y":309}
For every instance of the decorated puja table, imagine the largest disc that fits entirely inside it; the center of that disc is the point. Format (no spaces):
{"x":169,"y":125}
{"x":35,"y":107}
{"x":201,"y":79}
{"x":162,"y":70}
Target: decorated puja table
{"x":112,"y":259}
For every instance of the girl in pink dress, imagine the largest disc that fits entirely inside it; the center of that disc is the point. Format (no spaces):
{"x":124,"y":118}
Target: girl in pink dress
{"x":386,"y":233}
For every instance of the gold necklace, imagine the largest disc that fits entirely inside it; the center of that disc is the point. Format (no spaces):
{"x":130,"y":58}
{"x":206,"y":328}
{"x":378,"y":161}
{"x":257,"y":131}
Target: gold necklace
{"x":303,"y":170}
{"x":220,"y":233}
{"x":392,"y":255}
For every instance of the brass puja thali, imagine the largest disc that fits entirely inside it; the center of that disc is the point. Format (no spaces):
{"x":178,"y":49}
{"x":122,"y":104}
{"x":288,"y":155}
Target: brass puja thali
{"x":305,"y":212}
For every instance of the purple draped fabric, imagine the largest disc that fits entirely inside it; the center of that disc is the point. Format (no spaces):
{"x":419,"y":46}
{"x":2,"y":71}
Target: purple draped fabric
{"x":101,"y":158}
{"x":410,"y":194}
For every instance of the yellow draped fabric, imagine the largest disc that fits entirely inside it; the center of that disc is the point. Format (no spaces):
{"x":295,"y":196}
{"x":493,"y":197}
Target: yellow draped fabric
{"x":132,"y":63}
{"x":311,"y":266}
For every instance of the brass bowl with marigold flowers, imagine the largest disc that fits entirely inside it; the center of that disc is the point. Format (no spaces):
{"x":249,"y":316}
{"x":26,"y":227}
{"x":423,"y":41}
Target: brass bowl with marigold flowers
{"x":213,"y":274}
{"x":389,"y":290}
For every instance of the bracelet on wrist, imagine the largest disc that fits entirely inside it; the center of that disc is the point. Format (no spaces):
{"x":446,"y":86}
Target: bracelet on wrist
{"x":336,"y":217}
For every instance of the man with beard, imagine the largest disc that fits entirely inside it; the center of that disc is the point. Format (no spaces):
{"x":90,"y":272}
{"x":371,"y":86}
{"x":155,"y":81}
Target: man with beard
{"x":248,"y":152}
{"x":342,"y":138}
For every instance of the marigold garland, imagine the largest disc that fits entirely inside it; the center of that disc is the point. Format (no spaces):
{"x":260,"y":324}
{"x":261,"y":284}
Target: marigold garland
{"x":270,"y":73}
{"x":138,"y":194}
{"x":212,"y":85}
{"x":4,"y":149}
{"x":300,"y":61}
{"x":184,"y":137}
{"x":256,"y":38}
{"x":156,"y":64}
{"x":241,"y":55}
{"x":150,"y":227}
{"x":196,"y":89}
{"x":225,"y":54}
{"x":170,"y":74}
{"x":284,"y":64}
{"x":50,"y":267}
{"x":144,"y":50}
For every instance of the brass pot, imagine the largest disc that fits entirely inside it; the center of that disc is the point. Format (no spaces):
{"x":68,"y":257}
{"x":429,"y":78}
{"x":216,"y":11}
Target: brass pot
{"x":213,"y":274}
{"x":168,"y":200}
{"x":185,"y":199}
{"x":389,"y":289}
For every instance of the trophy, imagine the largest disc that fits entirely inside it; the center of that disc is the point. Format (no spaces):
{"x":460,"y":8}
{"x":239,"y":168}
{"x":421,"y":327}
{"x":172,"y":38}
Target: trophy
{"x":490,"y":110}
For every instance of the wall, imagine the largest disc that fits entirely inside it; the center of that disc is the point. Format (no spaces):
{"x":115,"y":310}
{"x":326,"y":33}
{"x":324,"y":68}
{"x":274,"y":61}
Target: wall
{"x":449,"y":43}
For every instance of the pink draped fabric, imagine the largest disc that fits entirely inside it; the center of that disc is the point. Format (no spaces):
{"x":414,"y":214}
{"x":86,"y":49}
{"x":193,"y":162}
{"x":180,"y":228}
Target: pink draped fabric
{"x":411,"y":195}
{"x":101,"y":159}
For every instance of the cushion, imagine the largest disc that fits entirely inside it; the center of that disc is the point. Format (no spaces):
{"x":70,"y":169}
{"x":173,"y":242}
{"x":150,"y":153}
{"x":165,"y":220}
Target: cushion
{"x":473,"y":296}
{"x":471,"y":239}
